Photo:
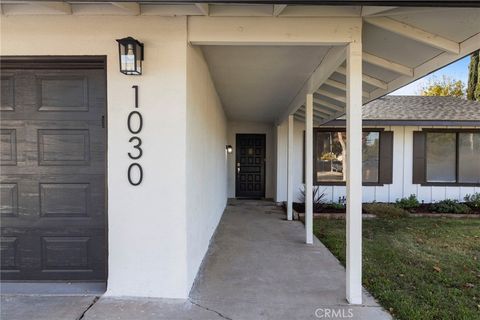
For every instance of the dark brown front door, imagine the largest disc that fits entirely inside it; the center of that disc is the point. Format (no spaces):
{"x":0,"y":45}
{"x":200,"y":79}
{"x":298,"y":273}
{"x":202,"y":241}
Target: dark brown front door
{"x":250,"y":166}
{"x":53,"y":161}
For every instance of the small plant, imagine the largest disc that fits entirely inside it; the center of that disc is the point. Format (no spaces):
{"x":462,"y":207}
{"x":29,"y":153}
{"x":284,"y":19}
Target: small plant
{"x":383,"y":210}
{"x":318,"y":198}
{"x":450,"y":206}
{"x":473,"y":200}
{"x":411,"y":203}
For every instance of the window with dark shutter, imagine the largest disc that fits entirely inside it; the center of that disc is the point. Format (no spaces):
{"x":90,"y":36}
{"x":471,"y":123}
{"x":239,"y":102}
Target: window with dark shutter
{"x":446,"y":157}
{"x":330,"y":150}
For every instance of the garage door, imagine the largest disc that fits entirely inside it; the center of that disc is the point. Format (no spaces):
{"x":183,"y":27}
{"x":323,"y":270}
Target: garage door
{"x":53,"y":169}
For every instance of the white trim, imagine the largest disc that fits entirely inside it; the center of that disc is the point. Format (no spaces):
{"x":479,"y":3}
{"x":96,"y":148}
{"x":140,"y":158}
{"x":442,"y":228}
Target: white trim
{"x":408,"y":31}
{"x":131,"y":8}
{"x":367,"y":79}
{"x":278,"y":8}
{"x":342,"y":86}
{"x":272,"y":30}
{"x":354,"y":174}
{"x":386,"y":64}
{"x":290,"y":168}
{"x":203,"y":8}
{"x":331,"y":95}
{"x":373,"y":10}
{"x":328,"y":105}
{"x":309,"y":169}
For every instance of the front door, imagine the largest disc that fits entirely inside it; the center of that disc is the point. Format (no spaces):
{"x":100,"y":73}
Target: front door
{"x":250,"y":166}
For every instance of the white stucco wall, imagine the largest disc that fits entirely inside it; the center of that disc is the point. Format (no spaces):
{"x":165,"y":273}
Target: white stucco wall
{"x":268,"y":129}
{"x":206,"y":160}
{"x":402,"y":172}
{"x":147,"y":243}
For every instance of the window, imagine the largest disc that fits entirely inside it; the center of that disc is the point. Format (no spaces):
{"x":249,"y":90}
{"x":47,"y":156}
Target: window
{"x":330,"y":156}
{"x":469,"y":157}
{"x":447,"y":157}
{"x":441,"y":157}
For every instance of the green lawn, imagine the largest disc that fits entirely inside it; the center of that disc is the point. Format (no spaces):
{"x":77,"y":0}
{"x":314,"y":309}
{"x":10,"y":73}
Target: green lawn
{"x":418,"y":268}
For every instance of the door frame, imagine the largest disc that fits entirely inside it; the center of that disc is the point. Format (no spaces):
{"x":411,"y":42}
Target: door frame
{"x":72,"y":62}
{"x":264,"y":135}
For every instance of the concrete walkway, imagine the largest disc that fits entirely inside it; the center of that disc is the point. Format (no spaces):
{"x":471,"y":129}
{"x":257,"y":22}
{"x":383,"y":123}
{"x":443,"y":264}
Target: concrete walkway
{"x":258,"y":267}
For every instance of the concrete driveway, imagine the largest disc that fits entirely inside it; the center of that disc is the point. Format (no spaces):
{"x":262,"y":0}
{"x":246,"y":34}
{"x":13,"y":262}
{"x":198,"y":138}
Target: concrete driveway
{"x":258,"y":267}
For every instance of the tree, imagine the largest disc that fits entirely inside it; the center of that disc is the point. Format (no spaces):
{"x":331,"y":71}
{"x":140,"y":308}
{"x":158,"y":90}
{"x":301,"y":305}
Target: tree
{"x":444,"y":87}
{"x":473,"y":89}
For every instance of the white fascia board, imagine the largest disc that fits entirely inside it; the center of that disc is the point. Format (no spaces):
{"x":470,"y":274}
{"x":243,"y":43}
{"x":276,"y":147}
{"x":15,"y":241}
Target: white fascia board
{"x":36,"y":8}
{"x":278,"y":9}
{"x":272,"y":30}
{"x":373,"y":10}
{"x":203,"y":8}
{"x":132,"y":8}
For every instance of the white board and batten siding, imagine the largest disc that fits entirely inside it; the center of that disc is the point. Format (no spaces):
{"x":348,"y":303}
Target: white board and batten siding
{"x":402,"y":185}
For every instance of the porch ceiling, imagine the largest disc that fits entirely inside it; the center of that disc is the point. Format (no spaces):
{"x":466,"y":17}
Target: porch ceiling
{"x":255,"y":82}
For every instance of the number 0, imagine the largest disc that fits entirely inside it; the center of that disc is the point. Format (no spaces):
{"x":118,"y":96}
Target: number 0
{"x":140,"y":174}
{"x":140,"y":122}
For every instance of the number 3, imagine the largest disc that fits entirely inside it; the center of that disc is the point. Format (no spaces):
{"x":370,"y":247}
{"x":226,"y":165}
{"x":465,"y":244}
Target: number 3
{"x":137,"y":146}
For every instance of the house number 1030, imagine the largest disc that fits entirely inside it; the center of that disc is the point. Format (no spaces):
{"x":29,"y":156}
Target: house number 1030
{"x":135,"y":125}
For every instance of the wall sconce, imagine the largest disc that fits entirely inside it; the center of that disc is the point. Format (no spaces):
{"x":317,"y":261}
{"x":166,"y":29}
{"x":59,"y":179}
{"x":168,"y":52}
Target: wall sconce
{"x":229,"y":148}
{"x":131,"y":56}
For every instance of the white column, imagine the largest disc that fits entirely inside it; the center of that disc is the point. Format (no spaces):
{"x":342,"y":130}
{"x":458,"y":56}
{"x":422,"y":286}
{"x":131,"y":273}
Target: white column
{"x":290,"y":168}
{"x":309,"y":169}
{"x":354,"y":173}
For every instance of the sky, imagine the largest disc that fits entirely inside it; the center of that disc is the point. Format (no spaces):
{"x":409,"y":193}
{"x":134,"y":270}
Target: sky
{"x":456,"y":71}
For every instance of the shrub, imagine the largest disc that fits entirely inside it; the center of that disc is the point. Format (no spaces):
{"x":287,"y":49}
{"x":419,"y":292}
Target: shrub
{"x":409,"y":203}
{"x":335,"y":205}
{"x":473,"y":200}
{"x":383,"y":210}
{"x":318,"y":198}
{"x":449,"y":206}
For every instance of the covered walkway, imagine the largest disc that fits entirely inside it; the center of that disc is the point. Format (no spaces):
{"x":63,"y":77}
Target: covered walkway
{"x":258,"y":267}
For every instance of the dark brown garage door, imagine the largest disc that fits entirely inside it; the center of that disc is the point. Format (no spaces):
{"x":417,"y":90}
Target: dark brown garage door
{"x":53,"y":162}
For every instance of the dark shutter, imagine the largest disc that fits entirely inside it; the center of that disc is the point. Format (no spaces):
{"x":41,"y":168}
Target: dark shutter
{"x":419,"y":147}
{"x":385,"y":174}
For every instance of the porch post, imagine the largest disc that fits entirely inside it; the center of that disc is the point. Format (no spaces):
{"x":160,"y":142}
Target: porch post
{"x":290,"y":168}
{"x":354,"y":173}
{"x":309,"y":168}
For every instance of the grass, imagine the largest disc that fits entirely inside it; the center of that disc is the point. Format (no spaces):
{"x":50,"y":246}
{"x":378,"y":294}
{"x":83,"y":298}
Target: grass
{"x":417,"y":268}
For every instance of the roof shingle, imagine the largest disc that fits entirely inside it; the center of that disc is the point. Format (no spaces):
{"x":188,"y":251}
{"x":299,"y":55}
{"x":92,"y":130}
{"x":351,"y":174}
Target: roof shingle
{"x":422,"y":108}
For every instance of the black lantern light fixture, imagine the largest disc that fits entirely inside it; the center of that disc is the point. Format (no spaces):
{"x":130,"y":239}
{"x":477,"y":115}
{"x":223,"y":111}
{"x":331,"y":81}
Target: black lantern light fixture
{"x":229,"y":148}
{"x":130,"y":53}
